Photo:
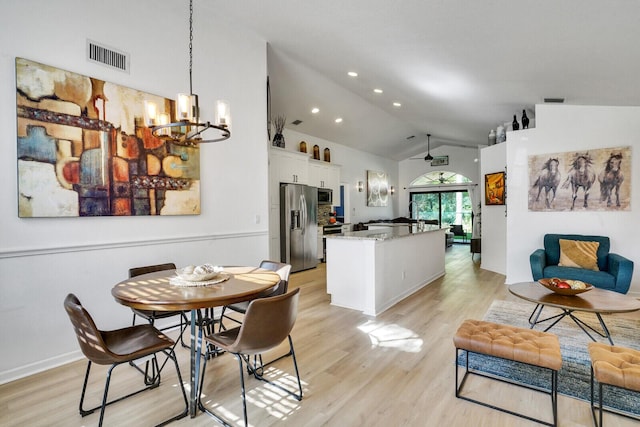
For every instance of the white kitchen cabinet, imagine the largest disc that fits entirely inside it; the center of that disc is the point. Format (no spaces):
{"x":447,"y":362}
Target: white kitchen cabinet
{"x":289,"y":166}
{"x":325,"y":175}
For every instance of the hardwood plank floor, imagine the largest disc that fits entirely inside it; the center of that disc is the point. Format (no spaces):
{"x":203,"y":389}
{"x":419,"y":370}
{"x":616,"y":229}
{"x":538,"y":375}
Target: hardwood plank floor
{"x":392,"y":370}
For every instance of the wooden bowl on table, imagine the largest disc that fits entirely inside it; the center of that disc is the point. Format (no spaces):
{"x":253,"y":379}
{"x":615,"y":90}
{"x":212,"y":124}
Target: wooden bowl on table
{"x":551,"y":285}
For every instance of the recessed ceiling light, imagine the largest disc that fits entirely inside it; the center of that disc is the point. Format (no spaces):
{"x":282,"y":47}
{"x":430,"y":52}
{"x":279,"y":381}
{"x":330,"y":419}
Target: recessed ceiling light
{"x":339,"y":120}
{"x":352,"y":74}
{"x":315,"y":110}
{"x":377,"y":90}
{"x":397,"y":104}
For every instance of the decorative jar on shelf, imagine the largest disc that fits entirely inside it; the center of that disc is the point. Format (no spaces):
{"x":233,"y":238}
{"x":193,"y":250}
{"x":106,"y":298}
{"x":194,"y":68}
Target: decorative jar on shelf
{"x":327,"y":155}
{"x":303,"y":147}
{"x":316,"y":152}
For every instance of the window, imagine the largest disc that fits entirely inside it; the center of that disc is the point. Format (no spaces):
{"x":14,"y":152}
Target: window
{"x":448,"y":206}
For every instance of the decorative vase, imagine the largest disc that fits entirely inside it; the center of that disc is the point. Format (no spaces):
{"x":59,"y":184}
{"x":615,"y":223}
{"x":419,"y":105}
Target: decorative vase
{"x":316,"y":152}
{"x":492,"y":137}
{"x":278,"y":140}
{"x":514,"y":124}
{"x":525,"y":120}
{"x":327,"y":155}
{"x":303,"y":147}
{"x":501,"y":134}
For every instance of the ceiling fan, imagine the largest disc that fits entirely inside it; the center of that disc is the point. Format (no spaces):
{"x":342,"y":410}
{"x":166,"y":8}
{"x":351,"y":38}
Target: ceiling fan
{"x":428,"y":157}
{"x":445,"y":179}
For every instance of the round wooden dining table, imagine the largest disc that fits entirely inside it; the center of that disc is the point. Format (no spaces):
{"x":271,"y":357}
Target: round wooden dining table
{"x":159,"y":291}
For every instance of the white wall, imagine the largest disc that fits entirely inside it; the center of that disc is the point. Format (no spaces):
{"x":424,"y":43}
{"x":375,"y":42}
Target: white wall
{"x":561,"y":128}
{"x":494,"y":219}
{"x":42,"y":259}
{"x":354,"y":168}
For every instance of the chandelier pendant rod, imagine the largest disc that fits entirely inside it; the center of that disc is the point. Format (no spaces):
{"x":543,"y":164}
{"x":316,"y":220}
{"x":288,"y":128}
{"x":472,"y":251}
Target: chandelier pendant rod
{"x":191,"y":47}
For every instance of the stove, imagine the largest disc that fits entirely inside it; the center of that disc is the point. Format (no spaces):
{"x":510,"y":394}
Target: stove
{"x":332,"y":228}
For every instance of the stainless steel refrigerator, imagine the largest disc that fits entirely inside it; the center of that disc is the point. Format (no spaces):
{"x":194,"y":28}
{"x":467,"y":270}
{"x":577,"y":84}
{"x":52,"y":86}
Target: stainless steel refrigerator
{"x":298,"y":226}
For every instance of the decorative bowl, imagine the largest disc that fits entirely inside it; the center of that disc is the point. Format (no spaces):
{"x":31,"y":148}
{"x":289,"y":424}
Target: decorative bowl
{"x":199,"y":273}
{"x":548,"y":283}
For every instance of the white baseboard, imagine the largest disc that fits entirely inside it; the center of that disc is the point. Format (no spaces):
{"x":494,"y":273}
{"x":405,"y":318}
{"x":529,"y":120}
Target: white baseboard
{"x":39,"y":366}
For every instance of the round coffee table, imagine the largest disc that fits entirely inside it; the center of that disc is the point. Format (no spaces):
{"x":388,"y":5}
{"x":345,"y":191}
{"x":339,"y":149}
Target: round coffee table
{"x":597,"y":301}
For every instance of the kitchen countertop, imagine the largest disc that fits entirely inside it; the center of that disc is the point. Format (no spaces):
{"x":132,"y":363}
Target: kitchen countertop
{"x":394,"y":232}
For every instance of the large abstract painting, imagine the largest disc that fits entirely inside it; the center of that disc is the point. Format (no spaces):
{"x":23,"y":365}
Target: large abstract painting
{"x":593,"y":180}
{"x":83,"y":150}
{"x":377,"y":188}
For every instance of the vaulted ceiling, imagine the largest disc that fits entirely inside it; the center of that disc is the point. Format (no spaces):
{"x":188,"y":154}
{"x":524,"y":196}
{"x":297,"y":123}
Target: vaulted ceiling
{"x":457,"y":67}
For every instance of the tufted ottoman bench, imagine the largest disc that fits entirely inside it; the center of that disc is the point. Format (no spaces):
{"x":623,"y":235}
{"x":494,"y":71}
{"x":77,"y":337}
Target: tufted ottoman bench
{"x":527,"y":346}
{"x":616,"y":367}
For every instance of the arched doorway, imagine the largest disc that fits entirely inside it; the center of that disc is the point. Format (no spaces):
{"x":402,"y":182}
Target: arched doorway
{"x":443,"y":196}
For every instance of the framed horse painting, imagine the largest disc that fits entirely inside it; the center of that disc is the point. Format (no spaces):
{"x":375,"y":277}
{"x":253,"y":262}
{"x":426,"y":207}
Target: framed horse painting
{"x":589,"y":180}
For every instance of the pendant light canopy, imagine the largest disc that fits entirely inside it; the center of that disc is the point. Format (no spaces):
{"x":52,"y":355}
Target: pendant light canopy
{"x":186,"y":128}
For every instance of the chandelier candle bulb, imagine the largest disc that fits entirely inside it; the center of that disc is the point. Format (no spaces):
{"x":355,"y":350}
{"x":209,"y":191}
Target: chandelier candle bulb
{"x":184,"y":106}
{"x":223,"y":116}
{"x":164,"y":120}
{"x":150,"y":113}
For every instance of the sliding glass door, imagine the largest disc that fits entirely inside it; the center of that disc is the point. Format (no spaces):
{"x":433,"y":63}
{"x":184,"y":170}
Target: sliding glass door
{"x":448,"y":207}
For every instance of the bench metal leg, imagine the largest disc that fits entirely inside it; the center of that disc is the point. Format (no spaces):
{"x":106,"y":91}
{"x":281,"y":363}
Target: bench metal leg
{"x":598,"y":409}
{"x":552,"y":392}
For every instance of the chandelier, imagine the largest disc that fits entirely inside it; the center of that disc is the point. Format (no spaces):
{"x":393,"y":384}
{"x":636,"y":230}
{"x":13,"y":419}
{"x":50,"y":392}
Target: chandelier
{"x":187,"y":129}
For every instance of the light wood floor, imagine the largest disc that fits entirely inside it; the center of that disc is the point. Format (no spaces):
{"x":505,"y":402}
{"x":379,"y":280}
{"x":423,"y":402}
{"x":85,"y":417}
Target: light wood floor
{"x":396,"y":369}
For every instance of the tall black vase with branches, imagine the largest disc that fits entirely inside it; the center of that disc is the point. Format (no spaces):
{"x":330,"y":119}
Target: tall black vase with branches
{"x":278,"y":138}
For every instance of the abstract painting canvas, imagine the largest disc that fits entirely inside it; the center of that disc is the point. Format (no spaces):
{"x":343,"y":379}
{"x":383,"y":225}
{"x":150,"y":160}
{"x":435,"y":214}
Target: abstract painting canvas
{"x":83,"y":150}
{"x":377,"y":188}
{"x":589,"y":180}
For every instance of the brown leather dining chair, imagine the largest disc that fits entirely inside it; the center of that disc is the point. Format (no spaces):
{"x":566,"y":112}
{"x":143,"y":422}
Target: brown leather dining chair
{"x":283,"y":271}
{"x":281,"y":288}
{"x":150,"y":315}
{"x":117,"y":347}
{"x":267,"y":323}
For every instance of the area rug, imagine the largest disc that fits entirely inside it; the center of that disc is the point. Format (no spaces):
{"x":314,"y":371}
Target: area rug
{"x":573,"y":378}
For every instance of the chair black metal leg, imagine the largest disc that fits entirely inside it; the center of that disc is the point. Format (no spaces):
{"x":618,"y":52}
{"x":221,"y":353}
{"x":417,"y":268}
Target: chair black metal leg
{"x":104,"y":397}
{"x":222,"y":327}
{"x":257,"y":373}
{"x":172,"y":356}
{"x":222,"y":317}
{"x":199,"y":399}
{"x":170,"y":353}
{"x":244,"y":397}
{"x":84,"y":389}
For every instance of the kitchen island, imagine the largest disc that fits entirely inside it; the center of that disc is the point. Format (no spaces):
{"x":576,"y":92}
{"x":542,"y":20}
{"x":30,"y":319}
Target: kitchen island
{"x":372,"y":270}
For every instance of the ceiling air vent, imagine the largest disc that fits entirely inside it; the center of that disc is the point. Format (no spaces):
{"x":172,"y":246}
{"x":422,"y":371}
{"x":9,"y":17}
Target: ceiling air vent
{"x":107,"y":56}
{"x":296,"y":122}
{"x":554,"y":100}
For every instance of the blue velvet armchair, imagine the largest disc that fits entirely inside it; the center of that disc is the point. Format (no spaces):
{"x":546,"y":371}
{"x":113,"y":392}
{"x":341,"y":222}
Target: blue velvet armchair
{"x":615,"y":270}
